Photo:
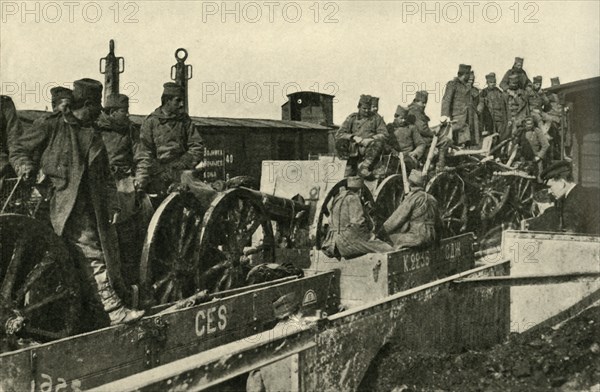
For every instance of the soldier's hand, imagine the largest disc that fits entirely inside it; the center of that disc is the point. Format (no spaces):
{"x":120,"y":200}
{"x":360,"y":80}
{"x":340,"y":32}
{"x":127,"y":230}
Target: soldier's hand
{"x":365,"y":142}
{"x":444,"y":119}
{"x":413,"y":155}
{"x":139,"y":185}
{"x":357,"y":139}
{"x":26,"y":172}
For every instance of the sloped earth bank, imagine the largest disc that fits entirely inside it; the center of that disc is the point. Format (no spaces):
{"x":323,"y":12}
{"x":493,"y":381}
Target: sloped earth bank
{"x":565,"y":357}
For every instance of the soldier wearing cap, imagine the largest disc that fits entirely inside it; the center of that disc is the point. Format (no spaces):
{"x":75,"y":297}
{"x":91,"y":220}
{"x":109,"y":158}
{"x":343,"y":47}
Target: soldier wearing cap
{"x":405,"y":136}
{"x":578,"y":206}
{"x":417,"y":109}
{"x":350,"y":225}
{"x":120,"y":138}
{"x":493,"y":109}
{"x":537,"y":100}
{"x":62,"y":98}
{"x":417,"y":221}
{"x":76,"y":162}
{"x":361,"y":139}
{"x":517,"y":69}
{"x":10,"y":129}
{"x":534,"y":143}
{"x":455,"y":106}
{"x":375,"y":105}
{"x":517,"y":104}
{"x":170,"y":146}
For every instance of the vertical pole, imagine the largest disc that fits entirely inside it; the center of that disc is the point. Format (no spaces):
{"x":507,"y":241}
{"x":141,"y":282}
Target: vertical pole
{"x":181,"y":73}
{"x":111,"y":67}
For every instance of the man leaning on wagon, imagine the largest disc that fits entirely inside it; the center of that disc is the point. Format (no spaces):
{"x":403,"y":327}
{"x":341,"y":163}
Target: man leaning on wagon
{"x":417,"y":221}
{"x":170,"y":147}
{"x":361,"y":139}
{"x":75,"y":159}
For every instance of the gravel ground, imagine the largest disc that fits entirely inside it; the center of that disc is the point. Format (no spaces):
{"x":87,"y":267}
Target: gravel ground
{"x":562,"y":358}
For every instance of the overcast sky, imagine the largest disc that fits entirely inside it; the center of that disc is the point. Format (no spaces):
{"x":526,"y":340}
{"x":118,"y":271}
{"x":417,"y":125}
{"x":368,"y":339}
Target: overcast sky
{"x":247,"y":55}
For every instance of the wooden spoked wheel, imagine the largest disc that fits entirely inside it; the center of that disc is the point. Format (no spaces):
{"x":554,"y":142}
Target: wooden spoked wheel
{"x":449,"y":190}
{"x":493,"y":197}
{"x":322,"y":225}
{"x":234,"y":228}
{"x":171,"y":252}
{"x":39,"y":291}
{"x":388,"y":196}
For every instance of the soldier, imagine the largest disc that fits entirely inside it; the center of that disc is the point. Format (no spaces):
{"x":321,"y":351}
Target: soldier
{"x":578,"y":206}
{"x":62,"y":98}
{"x":455,"y":105}
{"x":375,"y":105}
{"x":10,"y":129}
{"x":493,"y":110}
{"x":120,"y":138}
{"x":516,"y":102}
{"x":473,"y":115}
{"x":405,"y":136}
{"x":517,"y":69}
{"x":361,"y":139}
{"x":76,"y":161}
{"x":350,"y":226}
{"x":417,"y":221}
{"x":537,"y":100}
{"x":170,"y":148}
{"x":417,"y":109}
{"x":534,"y":143}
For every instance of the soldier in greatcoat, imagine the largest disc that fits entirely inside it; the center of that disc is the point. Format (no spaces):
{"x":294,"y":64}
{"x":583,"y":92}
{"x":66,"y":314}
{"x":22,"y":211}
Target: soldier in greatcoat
{"x":417,"y":221}
{"x":361,"y":139}
{"x":455,"y":106}
{"x":517,"y":104}
{"x":10,"y":129}
{"x":492,"y":106}
{"x":472,"y":114}
{"x":350,"y":225}
{"x":75,"y":159}
{"x":170,"y":147}
{"x":517,"y":69}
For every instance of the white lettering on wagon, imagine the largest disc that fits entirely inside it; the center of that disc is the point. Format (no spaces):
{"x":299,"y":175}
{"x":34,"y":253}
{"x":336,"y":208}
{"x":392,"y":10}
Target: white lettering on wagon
{"x":211,"y":320}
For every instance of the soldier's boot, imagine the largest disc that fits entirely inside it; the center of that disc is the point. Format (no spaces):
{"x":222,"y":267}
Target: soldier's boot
{"x":111,"y":302}
{"x":364,"y":170}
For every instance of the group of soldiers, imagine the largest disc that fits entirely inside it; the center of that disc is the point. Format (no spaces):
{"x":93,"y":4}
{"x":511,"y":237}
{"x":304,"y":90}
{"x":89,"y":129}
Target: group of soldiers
{"x":99,"y":170}
{"x":517,"y":114}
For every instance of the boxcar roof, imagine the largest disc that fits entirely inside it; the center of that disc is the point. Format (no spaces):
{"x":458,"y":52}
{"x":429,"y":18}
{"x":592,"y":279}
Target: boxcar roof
{"x":29,"y":116}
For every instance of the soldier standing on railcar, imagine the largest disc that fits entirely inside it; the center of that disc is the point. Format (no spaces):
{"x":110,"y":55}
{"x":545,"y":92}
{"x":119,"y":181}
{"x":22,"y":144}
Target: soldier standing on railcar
{"x":538,"y":101}
{"x":10,"y":129}
{"x":473,"y":115}
{"x":121,"y":138}
{"x":417,"y":109}
{"x":516,"y":101}
{"x":517,"y":69}
{"x":455,"y":106}
{"x":493,"y":110}
{"x":170,"y":147}
{"x":75,"y":159}
{"x":361,"y":139}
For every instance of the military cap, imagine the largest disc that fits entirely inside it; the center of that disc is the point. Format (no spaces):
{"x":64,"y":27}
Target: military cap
{"x":464,"y":68}
{"x":422,"y":96}
{"x":401,"y":111}
{"x":537,"y":79}
{"x":117,"y":101}
{"x":285,"y":305}
{"x":491,"y":77}
{"x":173,"y":89}
{"x":555,"y":81}
{"x":355,"y":182}
{"x":519,"y":60}
{"x":416,"y":177}
{"x":364,"y":100}
{"x":555,"y":169}
{"x":59,"y":92}
{"x":87,"y":90}
{"x":374,"y":101}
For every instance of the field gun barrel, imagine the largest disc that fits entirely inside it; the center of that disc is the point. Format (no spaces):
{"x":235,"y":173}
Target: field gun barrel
{"x":281,"y":209}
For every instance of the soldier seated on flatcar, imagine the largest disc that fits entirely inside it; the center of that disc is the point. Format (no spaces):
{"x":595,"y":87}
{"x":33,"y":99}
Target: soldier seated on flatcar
{"x":361,"y":139}
{"x":404,"y":136}
{"x":170,"y":148}
{"x":417,"y":221}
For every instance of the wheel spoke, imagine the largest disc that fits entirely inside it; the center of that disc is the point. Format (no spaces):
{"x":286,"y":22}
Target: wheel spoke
{"x":164,"y":298}
{"x":33,"y":277}
{"x":13,"y":268}
{"x":48,"y":300}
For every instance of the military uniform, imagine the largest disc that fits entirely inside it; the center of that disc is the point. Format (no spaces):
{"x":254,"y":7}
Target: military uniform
{"x":537,"y":144}
{"x":518,"y":108}
{"x":407,"y":139}
{"x":10,"y":129}
{"x":415,"y":222}
{"x":492,"y":106}
{"x":455,"y":105}
{"x":523,"y":79}
{"x":351,"y":228}
{"x":473,"y":115}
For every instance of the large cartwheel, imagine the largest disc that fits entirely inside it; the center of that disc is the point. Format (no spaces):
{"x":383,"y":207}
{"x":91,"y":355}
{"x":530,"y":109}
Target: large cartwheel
{"x":190,"y":248}
{"x":321,"y":228}
{"x":388,"y":195}
{"x":448,"y":188}
{"x":39,"y":292}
